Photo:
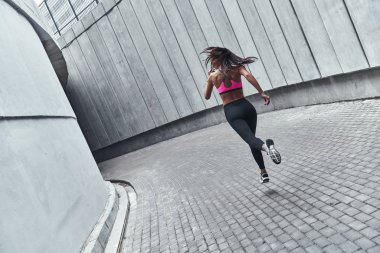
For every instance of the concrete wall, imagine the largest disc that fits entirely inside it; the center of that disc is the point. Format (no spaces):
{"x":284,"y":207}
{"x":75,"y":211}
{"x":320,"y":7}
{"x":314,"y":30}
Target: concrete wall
{"x":51,"y":191}
{"x":135,"y":65}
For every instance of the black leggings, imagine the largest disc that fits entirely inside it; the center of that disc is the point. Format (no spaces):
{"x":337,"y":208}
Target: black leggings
{"x":242,"y":117}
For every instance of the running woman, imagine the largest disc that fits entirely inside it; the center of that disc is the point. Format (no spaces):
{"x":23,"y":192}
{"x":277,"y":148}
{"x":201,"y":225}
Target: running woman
{"x":225,"y":74}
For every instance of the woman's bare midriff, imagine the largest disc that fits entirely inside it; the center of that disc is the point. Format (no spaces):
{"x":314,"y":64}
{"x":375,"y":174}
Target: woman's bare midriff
{"x":231,"y":96}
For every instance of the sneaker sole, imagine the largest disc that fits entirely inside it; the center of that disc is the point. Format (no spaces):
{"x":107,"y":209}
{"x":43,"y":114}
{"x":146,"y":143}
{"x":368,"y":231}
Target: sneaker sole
{"x":273,"y":153}
{"x":263,"y":181}
{"x":275,"y":156}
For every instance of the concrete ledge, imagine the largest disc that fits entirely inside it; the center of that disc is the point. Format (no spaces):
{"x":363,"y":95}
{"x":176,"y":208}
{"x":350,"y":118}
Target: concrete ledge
{"x":108,"y":233}
{"x":117,"y":233}
{"x":98,"y":238}
{"x":352,"y":86}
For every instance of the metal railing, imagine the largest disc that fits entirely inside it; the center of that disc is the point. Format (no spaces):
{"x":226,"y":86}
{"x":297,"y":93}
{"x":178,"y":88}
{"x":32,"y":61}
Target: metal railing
{"x":61,"y":14}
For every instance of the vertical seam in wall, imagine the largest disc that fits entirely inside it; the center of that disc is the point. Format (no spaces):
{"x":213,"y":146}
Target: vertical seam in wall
{"x":356,"y":32}
{"x":232,"y":28}
{"x":189,"y":35}
{"x":150,"y":81}
{"x":105,"y":75}
{"x":286,"y":40}
{"x":328,"y":35}
{"x":129,"y":65}
{"x":132,"y":131}
{"x":253,"y":41}
{"x":304,"y":36}
{"x":270,"y":43}
{"x":82,"y":84}
{"x":155,"y":60}
{"x":200,"y":27}
{"x":187,"y":64}
{"x":213,"y":22}
{"x":95,"y":81}
{"x":84,"y":58}
{"x":170,"y":59}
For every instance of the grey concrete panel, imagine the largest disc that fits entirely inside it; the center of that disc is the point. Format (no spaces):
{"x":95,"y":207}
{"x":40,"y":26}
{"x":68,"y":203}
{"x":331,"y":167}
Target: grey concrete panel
{"x":342,"y":34}
{"x":208,"y":29}
{"x":110,"y":80}
{"x":148,"y":60}
{"x":111,"y":116}
{"x":162,"y":58}
{"x":365,"y":14}
{"x":138,"y":117}
{"x":108,"y":4}
{"x":297,"y":42}
{"x":51,"y":190}
{"x":255,"y":44}
{"x":25,"y":66}
{"x":137,"y":68}
{"x":98,"y":12}
{"x":188,"y":50}
{"x":196,"y":34}
{"x":94,"y":91}
{"x":317,"y":37}
{"x":278,"y":41}
{"x":88,"y":107}
{"x":83,"y":119}
{"x":206,"y":22}
{"x":192,"y":26}
{"x":250,"y":41}
{"x":177,"y":57}
{"x":87,"y":21}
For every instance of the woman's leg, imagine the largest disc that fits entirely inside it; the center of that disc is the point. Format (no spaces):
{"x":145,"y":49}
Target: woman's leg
{"x":255,"y":144}
{"x":268,"y":147}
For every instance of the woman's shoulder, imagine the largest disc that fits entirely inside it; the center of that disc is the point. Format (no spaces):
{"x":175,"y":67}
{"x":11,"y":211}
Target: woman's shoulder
{"x":235,"y":72}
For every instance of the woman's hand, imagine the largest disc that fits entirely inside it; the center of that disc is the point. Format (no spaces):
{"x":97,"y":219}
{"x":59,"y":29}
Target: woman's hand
{"x":265,"y":97}
{"x":210,"y":71}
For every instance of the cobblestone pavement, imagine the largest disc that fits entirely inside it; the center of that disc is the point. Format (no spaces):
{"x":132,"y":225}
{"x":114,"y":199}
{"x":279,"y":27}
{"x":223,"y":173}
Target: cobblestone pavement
{"x":201,"y":193}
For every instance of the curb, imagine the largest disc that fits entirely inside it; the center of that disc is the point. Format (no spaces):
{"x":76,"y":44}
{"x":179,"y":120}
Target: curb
{"x":117,"y":233}
{"x":108,"y":233}
{"x":98,"y":237}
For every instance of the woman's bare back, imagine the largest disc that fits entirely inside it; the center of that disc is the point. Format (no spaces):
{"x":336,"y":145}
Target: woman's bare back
{"x":217,"y":77}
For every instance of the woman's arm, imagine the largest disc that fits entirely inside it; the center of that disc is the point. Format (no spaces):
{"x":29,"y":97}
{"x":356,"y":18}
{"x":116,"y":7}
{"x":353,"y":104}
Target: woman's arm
{"x":250,"y":78}
{"x":208,"y":89}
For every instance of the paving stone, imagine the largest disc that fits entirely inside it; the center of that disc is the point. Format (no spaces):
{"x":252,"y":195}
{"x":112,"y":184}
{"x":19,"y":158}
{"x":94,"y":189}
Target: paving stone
{"x":314,"y":249}
{"x":332,"y":249}
{"x":364,"y":243}
{"x":375,"y":249}
{"x":322,"y":242}
{"x":291,"y":244}
{"x":357,"y":225}
{"x":298,"y":250}
{"x":200,"y":193}
{"x":348,"y":246}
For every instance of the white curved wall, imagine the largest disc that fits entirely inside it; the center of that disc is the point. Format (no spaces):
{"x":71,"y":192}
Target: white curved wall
{"x":51,"y":191}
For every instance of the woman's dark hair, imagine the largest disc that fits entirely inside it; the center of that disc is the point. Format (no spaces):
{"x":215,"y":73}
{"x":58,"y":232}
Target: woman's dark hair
{"x":226,"y":58}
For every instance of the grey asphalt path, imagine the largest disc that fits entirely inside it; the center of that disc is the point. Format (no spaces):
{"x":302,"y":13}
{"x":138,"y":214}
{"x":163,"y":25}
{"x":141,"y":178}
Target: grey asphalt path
{"x":200,"y":192}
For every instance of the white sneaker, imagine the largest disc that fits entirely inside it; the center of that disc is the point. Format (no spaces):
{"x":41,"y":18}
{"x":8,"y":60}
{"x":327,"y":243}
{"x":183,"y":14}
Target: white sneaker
{"x":273,"y":153}
{"x":264,"y":178}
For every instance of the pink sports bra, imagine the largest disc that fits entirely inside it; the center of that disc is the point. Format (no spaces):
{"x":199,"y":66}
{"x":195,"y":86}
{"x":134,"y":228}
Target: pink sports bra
{"x":234,"y":85}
